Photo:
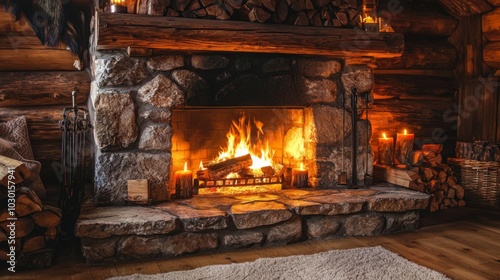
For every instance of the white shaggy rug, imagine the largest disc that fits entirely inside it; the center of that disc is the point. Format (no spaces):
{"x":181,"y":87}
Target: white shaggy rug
{"x":358,"y":263}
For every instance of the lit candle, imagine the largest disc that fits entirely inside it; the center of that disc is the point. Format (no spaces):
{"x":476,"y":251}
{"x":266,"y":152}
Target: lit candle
{"x":118,"y":6}
{"x":300,"y":177}
{"x":184,"y":183}
{"x":385,"y":150}
{"x":404,"y":147}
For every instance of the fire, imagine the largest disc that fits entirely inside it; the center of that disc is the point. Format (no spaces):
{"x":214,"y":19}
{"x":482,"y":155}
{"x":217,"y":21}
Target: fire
{"x":405,"y":131}
{"x":239,"y":143}
{"x":185,"y":166}
{"x":385,"y":137}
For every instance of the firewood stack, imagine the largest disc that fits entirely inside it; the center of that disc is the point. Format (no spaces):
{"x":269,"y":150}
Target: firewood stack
{"x":336,"y":13}
{"x":36,"y":227}
{"x":428,"y":174}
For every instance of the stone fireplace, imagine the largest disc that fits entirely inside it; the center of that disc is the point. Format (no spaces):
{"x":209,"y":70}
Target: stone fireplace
{"x":152,"y":114}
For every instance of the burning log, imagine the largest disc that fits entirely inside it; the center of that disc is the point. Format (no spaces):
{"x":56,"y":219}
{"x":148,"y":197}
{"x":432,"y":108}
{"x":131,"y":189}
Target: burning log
{"x":222,"y":169}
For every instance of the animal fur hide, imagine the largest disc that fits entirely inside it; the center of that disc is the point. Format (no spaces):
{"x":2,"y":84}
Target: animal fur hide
{"x":55,"y":21}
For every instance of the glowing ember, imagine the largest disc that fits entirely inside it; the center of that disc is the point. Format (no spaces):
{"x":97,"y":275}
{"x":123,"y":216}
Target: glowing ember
{"x":240,"y":142}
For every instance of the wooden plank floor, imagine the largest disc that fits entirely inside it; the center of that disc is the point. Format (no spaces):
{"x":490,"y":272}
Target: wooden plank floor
{"x":467,"y":249}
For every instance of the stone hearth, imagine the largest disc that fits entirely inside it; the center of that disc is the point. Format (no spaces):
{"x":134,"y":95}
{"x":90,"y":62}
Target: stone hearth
{"x":218,"y":223}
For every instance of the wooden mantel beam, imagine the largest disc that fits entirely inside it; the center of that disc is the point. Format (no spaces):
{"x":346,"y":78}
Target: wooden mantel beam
{"x":119,"y":31}
{"x":463,"y":8}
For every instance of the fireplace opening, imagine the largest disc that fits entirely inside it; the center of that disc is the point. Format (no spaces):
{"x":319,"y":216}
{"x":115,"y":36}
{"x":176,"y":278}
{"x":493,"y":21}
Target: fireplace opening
{"x":239,"y":149}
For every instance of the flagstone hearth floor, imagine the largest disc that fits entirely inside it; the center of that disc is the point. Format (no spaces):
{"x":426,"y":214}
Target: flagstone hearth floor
{"x":221,"y":223}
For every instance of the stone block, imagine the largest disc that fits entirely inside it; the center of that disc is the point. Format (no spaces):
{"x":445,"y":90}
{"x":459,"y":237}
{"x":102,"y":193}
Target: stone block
{"x":331,"y":204}
{"x":155,"y":116}
{"x":255,"y":214}
{"x":396,"y":222}
{"x":242,"y":64}
{"x":119,"y":70}
{"x":165,"y":62}
{"x":188,"y":243}
{"x":398,"y":201}
{"x":323,"y":124}
{"x":318,"y":68}
{"x":367,"y":224}
{"x":242,"y":239}
{"x":279,"y":64}
{"x":285,"y":233}
{"x":103,"y":222}
{"x":156,"y":138}
{"x":139,"y":247}
{"x":98,"y":249}
{"x":112,"y":170}
{"x":318,"y":227}
{"x":244,"y":90}
{"x":319,"y":91}
{"x":282,"y":90}
{"x":190,"y":82}
{"x":209,"y":62}
{"x":115,"y":124}
{"x":161,"y":92}
{"x":194,"y":219}
{"x":359,"y":77}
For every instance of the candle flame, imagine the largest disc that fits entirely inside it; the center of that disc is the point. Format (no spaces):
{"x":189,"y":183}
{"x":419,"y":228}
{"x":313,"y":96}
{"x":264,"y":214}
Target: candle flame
{"x":185,"y":166}
{"x":383,"y":134}
{"x":405,"y":131}
{"x":301,"y":165}
{"x":201,"y":165}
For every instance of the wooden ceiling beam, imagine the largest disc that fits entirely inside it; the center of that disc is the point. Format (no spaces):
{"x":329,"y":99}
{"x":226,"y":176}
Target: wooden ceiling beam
{"x":463,"y":8}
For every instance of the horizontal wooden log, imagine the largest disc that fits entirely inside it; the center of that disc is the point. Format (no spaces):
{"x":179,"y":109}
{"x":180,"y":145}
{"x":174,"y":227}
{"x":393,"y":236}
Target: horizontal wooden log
{"x":491,"y":54}
{"x":36,"y":60}
{"x":464,"y":8}
{"x":422,"y":54}
{"x":43,"y":88}
{"x":221,"y":169}
{"x":119,"y":31}
{"x":413,"y":87}
{"x":15,"y":42}
{"x":431,"y":23}
{"x":491,"y":25}
{"x":8,"y":26}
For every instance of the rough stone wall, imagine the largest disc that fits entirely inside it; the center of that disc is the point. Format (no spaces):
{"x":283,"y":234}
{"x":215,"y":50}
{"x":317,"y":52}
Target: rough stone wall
{"x":132,"y":100}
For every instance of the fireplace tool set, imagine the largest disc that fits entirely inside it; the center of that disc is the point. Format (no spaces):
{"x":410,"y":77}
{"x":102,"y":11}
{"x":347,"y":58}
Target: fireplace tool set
{"x":342,"y":178}
{"x":74,"y":126}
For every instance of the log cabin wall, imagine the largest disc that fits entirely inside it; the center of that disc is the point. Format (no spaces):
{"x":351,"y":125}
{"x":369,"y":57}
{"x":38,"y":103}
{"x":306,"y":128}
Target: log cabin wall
{"x":37,"y":81}
{"x":417,"y":90}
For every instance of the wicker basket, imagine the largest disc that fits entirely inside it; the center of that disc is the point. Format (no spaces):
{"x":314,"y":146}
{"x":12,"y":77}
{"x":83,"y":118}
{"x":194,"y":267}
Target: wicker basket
{"x":480,"y":179}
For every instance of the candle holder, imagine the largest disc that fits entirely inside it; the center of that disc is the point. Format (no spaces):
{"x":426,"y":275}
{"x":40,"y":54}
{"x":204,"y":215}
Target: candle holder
{"x":369,"y":19}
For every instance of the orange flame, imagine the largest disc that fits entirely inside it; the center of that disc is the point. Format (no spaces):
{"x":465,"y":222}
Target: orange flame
{"x":201,"y":165}
{"x":383,"y":134}
{"x":239,"y":143}
{"x":185,"y":166}
{"x":301,"y":166}
{"x":405,"y":131}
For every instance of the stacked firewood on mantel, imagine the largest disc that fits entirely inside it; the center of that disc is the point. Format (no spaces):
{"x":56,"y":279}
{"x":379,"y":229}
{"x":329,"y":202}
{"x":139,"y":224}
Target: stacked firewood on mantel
{"x":336,"y":13}
{"x":426,"y":173}
{"x":26,"y":225}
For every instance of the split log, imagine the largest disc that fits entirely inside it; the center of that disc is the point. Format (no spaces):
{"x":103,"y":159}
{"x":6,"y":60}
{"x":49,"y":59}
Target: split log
{"x":431,"y":158}
{"x":43,"y":88}
{"x":428,"y":174}
{"x":281,"y":12}
{"x":417,"y":158}
{"x":119,"y":31}
{"x":301,"y":19}
{"x":442,"y":176}
{"x":393,"y":175}
{"x":461,"y":203}
{"x":451,"y":193}
{"x":491,"y":54}
{"x":24,"y":226}
{"x":27,"y":202}
{"x":49,"y":217}
{"x":17,"y":174}
{"x":491,"y":25}
{"x":258,"y":14}
{"x":269,"y":4}
{"x":464,"y":8}
{"x":4,"y":214}
{"x":434,"y":206}
{"x":51,"y":234}
{"x":459,"y":191}
{"x":34,"y":243}
{"x":221,"y":169}
{"x":436,"y":148}
{"x":235,"y":4}
{"x":3,"y":236}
